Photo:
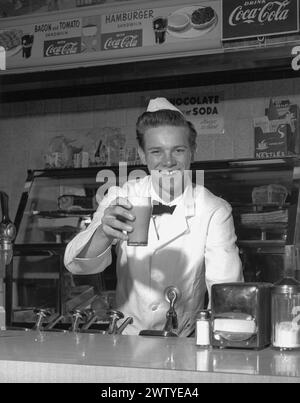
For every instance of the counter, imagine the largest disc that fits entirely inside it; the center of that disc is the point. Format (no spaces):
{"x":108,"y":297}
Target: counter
{"x":75,"y":357}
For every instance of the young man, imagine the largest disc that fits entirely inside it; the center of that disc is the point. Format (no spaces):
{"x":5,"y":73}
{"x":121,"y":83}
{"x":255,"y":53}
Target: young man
{"x":191,"y":249}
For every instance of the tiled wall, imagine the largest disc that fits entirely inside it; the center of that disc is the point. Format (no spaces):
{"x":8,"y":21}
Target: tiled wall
{"x":26,"y":128}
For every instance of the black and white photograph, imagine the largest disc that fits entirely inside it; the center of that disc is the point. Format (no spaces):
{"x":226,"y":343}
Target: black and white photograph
{"x":149,"y":195}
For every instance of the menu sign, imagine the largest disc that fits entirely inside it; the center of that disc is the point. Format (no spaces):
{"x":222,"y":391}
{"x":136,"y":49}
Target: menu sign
{"x":108,"y":35}
{"x":197,"y":24}
{"x":60,"y":38}
{"x":253,"y":18}
{"x":205,"y":111}
{"x":121,"y":30}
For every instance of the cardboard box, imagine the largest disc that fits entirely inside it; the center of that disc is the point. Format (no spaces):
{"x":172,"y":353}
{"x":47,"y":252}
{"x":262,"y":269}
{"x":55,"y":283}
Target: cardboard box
{"x":277,"y":135}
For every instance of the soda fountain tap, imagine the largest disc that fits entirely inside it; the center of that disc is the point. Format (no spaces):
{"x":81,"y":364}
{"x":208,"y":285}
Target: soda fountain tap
{"x":41,"y":314}
{"x":114,"y":316}
{"x":77,"y":315}
{"x":172,"y":294}
{"x":7,"y":232}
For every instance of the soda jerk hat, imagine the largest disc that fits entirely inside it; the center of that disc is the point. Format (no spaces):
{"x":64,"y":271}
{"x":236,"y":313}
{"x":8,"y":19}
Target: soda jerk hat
{"x":158,"y":104}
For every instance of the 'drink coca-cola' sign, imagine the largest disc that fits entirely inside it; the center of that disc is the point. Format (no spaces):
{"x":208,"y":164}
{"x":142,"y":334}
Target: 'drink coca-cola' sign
{"x":122,"y":40}
{"x":253,"y":18}
{"x":62,"y":47}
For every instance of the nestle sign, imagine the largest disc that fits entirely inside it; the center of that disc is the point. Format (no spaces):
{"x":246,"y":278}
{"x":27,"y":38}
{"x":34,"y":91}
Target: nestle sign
{"x":253,"y":18}
{"x":122,"y":40}
{"x":62,"y":47}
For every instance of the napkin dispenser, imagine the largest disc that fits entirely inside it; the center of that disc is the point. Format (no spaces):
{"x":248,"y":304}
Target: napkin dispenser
{"x":241,"y":315}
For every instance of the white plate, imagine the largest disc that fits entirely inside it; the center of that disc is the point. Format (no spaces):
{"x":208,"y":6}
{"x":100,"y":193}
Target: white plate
{"x":190,"y":32}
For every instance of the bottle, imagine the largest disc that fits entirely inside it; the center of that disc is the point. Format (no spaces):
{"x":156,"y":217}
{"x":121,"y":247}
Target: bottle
{"x":203,"y":328}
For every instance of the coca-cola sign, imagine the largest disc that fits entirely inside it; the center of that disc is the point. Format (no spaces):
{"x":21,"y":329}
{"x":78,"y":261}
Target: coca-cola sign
{"x":62,"y":47}
{"x":253,"y":18}
{"x":122,"y":40}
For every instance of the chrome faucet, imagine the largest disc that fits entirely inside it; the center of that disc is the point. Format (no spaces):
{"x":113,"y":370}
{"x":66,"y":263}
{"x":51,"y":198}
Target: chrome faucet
{"x":77,"y":316}
{"x":41,"y":314}
{"x":172,"y":294}
{"x":114,"y":316}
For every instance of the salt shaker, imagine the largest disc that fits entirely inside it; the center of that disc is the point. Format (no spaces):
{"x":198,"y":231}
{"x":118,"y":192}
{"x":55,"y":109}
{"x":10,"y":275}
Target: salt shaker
{"x":203,"y":328}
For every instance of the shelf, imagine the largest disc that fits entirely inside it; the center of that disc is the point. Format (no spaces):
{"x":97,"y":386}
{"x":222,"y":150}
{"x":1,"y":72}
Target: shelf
{"x":70,"y":173}
{"x":276,"y":226}
{"x":63,"y":213}
{"x":259,"y":243}
{"x":223,"y":166}
{"x":272,"y":62}
{"x":258,"y":208}
{"x":39,"y":249}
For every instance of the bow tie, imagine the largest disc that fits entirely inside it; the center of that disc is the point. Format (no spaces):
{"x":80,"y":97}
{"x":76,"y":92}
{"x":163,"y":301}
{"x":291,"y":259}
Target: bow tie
{"x":159,"y":209}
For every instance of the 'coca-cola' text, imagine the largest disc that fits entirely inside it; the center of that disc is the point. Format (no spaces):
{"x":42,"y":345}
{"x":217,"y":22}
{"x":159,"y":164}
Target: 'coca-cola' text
{"x":61,"y":48}
{"x":128,"y":41}
{"x":272,"y":11}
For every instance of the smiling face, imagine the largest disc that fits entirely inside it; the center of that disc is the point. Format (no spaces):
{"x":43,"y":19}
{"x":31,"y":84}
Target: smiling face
{"x":168,"y":154}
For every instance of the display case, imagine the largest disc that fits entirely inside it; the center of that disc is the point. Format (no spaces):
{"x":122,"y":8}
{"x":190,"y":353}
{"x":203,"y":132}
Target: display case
{"x":58,"y":203}
{"x":264,"y":195}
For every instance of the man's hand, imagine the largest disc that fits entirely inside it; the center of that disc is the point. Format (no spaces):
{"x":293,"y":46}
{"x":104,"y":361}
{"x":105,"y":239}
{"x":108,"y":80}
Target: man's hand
{"x":115,"y":219}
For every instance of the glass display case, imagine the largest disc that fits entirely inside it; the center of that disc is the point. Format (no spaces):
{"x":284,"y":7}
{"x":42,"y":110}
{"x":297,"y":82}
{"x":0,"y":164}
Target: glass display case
{"x":264,"y":195}
{"x":58,"y":203}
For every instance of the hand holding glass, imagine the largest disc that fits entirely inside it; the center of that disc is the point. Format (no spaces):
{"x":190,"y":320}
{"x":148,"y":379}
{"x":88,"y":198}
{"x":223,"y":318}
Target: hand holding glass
{"x":141,"y":209}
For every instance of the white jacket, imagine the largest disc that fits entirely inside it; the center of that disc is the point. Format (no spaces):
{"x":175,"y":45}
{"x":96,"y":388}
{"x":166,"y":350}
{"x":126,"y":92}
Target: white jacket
{"x":196,"y":248}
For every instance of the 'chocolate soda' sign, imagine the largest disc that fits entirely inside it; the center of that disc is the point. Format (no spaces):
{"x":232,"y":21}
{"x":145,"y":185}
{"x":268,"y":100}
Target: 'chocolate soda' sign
{"x":253,"y":18}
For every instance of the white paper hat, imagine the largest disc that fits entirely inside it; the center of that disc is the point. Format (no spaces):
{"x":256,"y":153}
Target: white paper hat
{"x":161,"y":103}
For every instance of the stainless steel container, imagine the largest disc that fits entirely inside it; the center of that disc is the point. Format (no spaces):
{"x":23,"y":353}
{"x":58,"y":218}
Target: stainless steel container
{"x":241,"y":315}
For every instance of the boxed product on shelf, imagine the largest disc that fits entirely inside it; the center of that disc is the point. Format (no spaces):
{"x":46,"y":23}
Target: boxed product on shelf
{"x":277,"y":133}
{"x":269,"y":194}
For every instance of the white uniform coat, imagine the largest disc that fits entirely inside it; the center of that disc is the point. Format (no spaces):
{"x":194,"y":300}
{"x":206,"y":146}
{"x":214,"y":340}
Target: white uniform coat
{"x":196,"y":248}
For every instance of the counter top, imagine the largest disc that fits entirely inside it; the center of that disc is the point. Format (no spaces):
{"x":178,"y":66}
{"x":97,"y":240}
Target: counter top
{"x":76,"y":357}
